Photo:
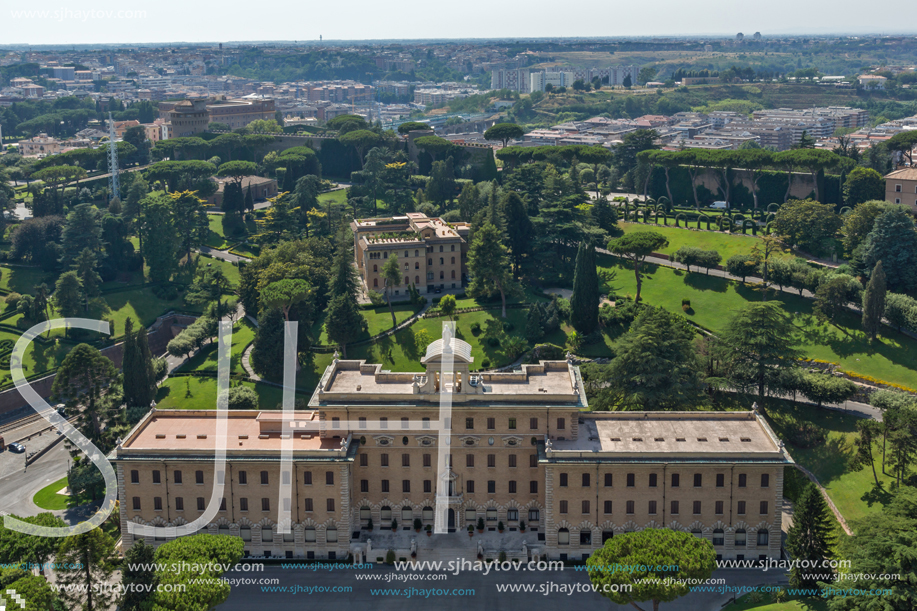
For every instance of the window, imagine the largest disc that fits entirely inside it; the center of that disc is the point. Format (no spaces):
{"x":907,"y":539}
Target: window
{"x":763,"y":537}
{"x":743,"y":480}
{"x":765,"y":480}
{"x":335,"y":422}
{"x":375,"y":281}
{"x":586,"y":508}
{"x":264,"y":478}
{"x":177,"y":477}
{"x":608,"y":507}
{"x":200,"y":503}
{"x":364,"y":485}
{"x":364,"y":460}
{"x":586,"y":480}
{"x":426,"y":422}
{"x":491,"y":424}
{"x":718,"y":537}
{"x":534,"y":515}
{"x":563,"y":480}
{"x":512,"y":460}
{"x":629,"y":508}
{"x":179,"y":504}
{"x":718,"y":508}
{"x":491,"y":514}
{"x":427,"y":485}
{"x":561,"y":424}
{"x":897,"y":188}
{"x":720,"y":480}
{"x":243,"y":504}
{"x":385,"y":485}
{"x":383,"y":422}
{"x":533,"y":487}
{"x":652,"y":508}
{"x":329,"y":505}
{"x":469,"y":486}
{"x":533,"y":460}
{"x":696,"y":508}
{"x":491,"y":486}
{"x":608,"y":480}
{"x":265,"y":504}
{"x":563,"y":537}
{"x":585,"y":538}
{"x":740,"y":508}
{"x":453,"y":277}
{"x":222,"y":504}
{"x":405,"y":460}
{"x":631,"y":480}
{"x":763,"y":508}
{"x":676,"y":480}
{"x":426,"y":460}
{"x":135,"y":476}
{"x":405,"y":485}
{"x":512,"y":486}
{"x":157,"y":478}
{"x":533,"y":423}
{"x":491,"y":460}
{"x":384,"y":458}
{"x":469,"y":423}
{"x":453,"y":248}
{"x":653,"y":480}
{"x":136,"y":503}
{"x":440,"y":248}
{"x":740,"y":538}
{"x":563,"y":507}
{"x":329,"y":478}
{"x":453,"y":260}
{"x":441,"y":262}
{"x":512,"y":421}
{"x":307,"y":477}
{"x":309,"y":533}
{"x":512,"y":515}
{"x":308,"y":504}
{"x":198,"y":477}
{"x":416,"y":253}
{"x":674,"y":508}
{"x":698,"y":480}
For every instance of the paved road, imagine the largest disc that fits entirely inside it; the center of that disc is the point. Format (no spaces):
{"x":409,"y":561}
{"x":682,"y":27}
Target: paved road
{"x":19,"y":485}
{"x":485,"y":596}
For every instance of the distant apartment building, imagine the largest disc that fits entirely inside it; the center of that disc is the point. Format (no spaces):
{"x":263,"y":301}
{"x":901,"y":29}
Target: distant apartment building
{"x":612,"y":75}
{"x":65,"y":73}
{"x":539,"y":80}
{"x":514,"y":80}
{"x":872,"y":81}
{"x":431,"y":252}
{"x":188,"y":118}
{"x":901,"y":187}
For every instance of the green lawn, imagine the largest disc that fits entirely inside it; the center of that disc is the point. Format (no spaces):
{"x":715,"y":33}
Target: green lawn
{"x":338,"y":196}
{"x":215,"y":237}
{"x":140,"y":304}
{"x":725,"y":243}
{"x":229,"y":270}
{"x":377,"y":320}
{"x":245,"y":250}
{"x":399,"y":351}
{"x":767,"y":604}
{"x":48,"y":497}
{"x":243,"y":333}
{"x":714,"y":300}
{"x":853,"y":492}
{"x":23,"y":279}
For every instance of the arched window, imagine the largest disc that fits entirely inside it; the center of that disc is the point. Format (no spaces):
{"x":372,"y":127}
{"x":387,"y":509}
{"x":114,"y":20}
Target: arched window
{"x":441,"y":260}
{"x":718,"y":536}
{"x":406,"y":516}
{"x":385,"y":513}
{"x":331,"y":535}
{"x":416,"y":264}
{"x":763,"y":537}
{"x":416,"y":279}
{"x":375,"y":282}
{"x":534,"y":515}
{"x":471,"y":515}
{"x":406,"y":253}
{"x":416,"y":253}
{"x":453,"y":260}
{"x":427,"y":513}
{"x":563,"y":537}
{"x":375,"y":268}
{"x":441,"y":275}
{"x":407,"y":280}
{"x":310,"y":534}
{"x":406,"y":266}
{"x":740,"y":538}
{"x":365,"y":513}
{"x":453,"y":274}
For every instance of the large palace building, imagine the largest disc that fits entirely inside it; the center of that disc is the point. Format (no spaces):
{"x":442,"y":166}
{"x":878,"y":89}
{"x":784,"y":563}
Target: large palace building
{"x":522,"y":451}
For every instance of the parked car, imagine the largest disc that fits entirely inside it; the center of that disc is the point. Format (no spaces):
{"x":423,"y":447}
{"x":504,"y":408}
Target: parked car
{"x":16,"y":447}
{"x":719,"y":205}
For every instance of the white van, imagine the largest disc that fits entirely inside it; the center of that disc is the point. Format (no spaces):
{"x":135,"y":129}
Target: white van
{"x":719,"y":205}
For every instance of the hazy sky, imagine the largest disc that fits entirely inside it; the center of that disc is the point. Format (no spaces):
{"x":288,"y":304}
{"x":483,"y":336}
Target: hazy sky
{"x":112,"y":21}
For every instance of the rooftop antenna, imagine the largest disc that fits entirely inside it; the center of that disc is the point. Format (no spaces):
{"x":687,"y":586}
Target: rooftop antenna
{"x":114,"y":185}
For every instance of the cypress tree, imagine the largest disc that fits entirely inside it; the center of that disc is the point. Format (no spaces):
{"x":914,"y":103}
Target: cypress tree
{"x":810,"y":538}
{"x":137,"y":367}
{"x":268,"y":346}
{"x":249,"y":200}
{"x":129,"y":361}
{"x":874,"y":301}
{"x":584,"y":304}
{"x":343,"y":320}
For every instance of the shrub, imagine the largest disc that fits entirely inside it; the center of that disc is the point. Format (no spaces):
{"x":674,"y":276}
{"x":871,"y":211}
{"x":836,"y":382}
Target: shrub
{"x":166,"y":292}
{"x":243,"y":397}
{"x":390,"y":557}
{"x":485,"y":364}
{"x":493,"y":342}
{"x":502,"y":556}
{"x":500,"y":525}
{"x":12,"y":300}
{"x":376,"y":298}
{"x":550,"y":352}
{"x":480,"y":523}
{"x":417,"y":524}
{"x":806,"y":435}
{"x":508,"y":326}
{"x":475,"y":328}
{"x":686,"y":302}
{"x":394,"y":524}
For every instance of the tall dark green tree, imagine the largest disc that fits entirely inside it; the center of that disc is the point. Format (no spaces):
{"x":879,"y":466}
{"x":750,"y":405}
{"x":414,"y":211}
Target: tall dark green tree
{"x":810,"y":538}
{"x":138,"y":577}
{"x":85,"y":266}
{"x":82,"y":376}
{"x":636,"y":247}
{"x":655,"y":365}
{"x":584,"y":303}
{"x":893,"y":240}
{"x":68,"y":295}
{"x":161,"y":243}
{"x":92,"y":557}
{"x":343,"y":321}
{"x":874,"y":302}
{"x":489,"y":266}
{"x":82,"y":229}
{"x":519,"y":230}
{"x":137,"y":367}
{"x":267,"y":348}
{"x":756,"y":346}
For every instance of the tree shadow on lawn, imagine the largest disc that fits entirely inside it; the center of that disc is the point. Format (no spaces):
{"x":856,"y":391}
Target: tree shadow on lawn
{"x":877,"y":494}
{"x":703,"y":282}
